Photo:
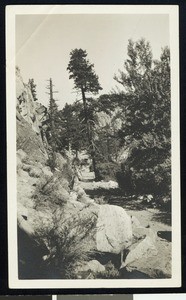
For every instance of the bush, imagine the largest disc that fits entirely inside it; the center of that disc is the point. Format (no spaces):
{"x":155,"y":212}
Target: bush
{"x":51,"y":189}
{"x":146,"y":171}
{"x":69,"y":242}
{"x":107,"y":170}
{"x":110,"y":272}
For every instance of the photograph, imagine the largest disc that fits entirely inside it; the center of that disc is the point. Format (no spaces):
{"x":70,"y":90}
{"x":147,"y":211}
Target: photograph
{"x":93,"y":146}
{"x":94,"y":297}
{"x":24,"y":297}
{"x":172,"y":296}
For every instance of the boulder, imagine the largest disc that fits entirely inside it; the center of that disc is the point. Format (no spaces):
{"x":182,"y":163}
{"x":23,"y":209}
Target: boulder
{"x":92,"y":265}
{"x":114,"y":229}
{"x":145,"y":248}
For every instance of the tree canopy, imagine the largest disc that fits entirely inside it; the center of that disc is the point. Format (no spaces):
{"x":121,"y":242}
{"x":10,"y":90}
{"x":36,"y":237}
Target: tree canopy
{"x":146,"y":119}
{"x":82,"y":72}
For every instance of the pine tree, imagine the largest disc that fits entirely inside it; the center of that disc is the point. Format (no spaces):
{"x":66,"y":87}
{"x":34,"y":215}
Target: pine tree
{"x":85,"y":80}
{"x":146,"y":118}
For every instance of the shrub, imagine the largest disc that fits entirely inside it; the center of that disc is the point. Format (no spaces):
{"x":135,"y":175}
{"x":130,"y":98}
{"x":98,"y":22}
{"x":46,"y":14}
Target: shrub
{"x":146,"y":171}
{"x":51,"y":189}
{"x":110,"y":272}
{"x":69,"y":242}
{"x":107,"y":170}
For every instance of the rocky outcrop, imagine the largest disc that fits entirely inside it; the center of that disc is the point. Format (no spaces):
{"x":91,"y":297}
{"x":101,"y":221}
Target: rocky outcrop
{"x":30,"y":118}
{"x":33,"y":112}
{"x":30,"y":142}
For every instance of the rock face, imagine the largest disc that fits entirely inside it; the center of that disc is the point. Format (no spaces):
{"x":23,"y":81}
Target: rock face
{"x":114,"y":229}
{"x":30,"y":116}
{"x":33,"y":112}
{"x":30,"y":142}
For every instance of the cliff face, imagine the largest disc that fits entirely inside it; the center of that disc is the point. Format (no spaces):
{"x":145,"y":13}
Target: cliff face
{"x":30,"y":117}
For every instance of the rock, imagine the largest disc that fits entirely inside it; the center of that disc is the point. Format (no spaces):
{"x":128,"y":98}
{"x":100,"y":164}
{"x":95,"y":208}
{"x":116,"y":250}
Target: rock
{"x":22,"y":210}
{"x":29,"y":136}
{"x":146,"y":249}
{"x":150,"y":262}
{"x":114,"y":229}
{"x":59,"y":161}
{"x":92,"y":265}
{"x":19,"y":164}
{"x":47,"y":171}
{"x":106,"y":185}
{"x":35,"y":172}
{"x":25,"y":188}
{"x":32,"y":111}
{"x":73,"y":196}
{"x":135,"y":222}
{"x":30,"y":142}
{"x":81,"y":195}
{"x":140,"y":231}
{"x":22,"y":155}
{"x":22,"y":217}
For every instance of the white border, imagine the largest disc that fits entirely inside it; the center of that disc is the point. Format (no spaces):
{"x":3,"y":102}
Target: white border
{"x":159,"y":296}
{"x":11,"y":12}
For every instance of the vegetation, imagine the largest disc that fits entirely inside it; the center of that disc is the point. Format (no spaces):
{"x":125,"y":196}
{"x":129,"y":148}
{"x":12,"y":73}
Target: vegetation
{"x":85,"y":80}
{"x":127,"y":132}
{"x":70,"y":241}
{"x":127,"y":136}
{"x":145,"y":130}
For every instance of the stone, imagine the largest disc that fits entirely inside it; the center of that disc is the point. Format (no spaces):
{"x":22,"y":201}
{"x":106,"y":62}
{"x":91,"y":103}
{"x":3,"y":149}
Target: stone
{"x":47,"y":172}
{"x":146,"y":248}
{"x":114,"y":229}
{"x":92,"y":265}
{"x":30,"y":142}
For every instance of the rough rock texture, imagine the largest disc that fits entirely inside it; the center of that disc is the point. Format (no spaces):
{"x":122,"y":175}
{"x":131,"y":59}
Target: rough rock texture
{"x":30,"y":142}
{"x":85,"y":270}
{"x":33,"y":112}
{"x":114,"y":229}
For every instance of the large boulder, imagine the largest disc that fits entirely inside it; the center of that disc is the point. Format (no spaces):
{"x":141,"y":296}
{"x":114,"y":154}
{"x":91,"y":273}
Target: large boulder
{"x":114,"y":229}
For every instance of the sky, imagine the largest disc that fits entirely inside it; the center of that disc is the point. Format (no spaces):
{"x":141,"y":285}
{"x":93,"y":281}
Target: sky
{"x":44,"y":43}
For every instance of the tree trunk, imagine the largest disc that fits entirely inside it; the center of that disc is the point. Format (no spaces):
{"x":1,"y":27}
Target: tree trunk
{"x":92,"y":148}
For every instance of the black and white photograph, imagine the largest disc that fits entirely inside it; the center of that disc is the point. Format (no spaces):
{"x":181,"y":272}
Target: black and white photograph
{"x":93,"y":146}
{"x":24,"y":297}
{"x":94,"y":297}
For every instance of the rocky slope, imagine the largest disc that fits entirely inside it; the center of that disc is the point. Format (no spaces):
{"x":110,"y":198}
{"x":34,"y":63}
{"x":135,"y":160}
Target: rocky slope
{"x":61,"y":231}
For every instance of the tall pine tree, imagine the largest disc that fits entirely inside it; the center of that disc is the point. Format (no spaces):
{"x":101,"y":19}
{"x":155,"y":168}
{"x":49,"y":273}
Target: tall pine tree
{"x":85,"y":80}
